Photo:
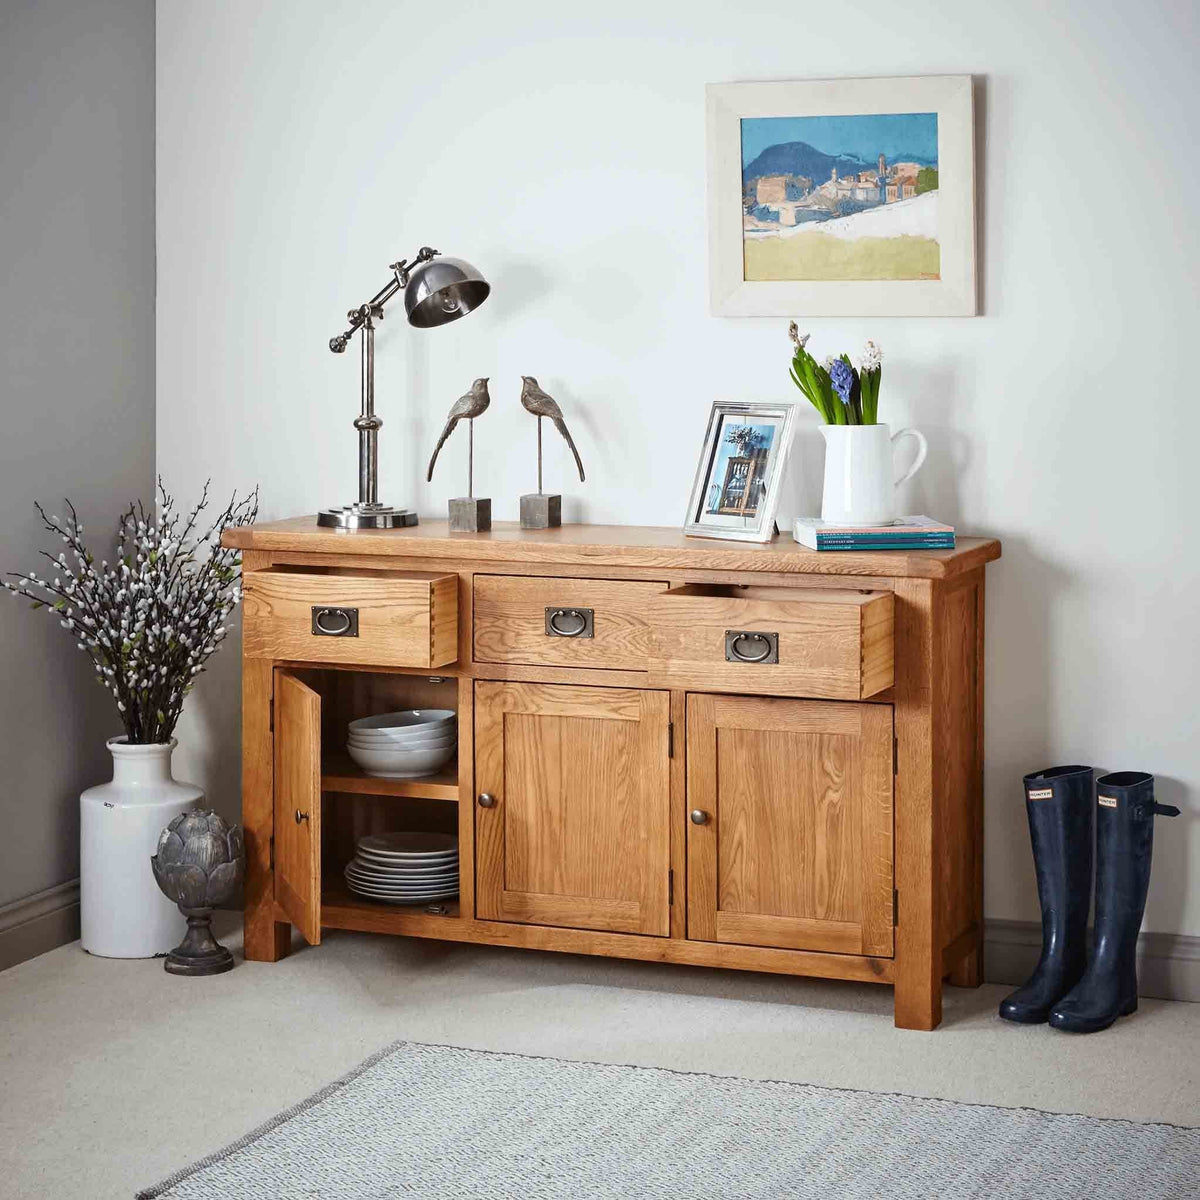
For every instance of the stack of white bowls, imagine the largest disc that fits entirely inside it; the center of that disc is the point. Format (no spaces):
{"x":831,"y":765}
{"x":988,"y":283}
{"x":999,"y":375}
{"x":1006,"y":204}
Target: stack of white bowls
{"x":404,"y":745}
{"x":405,"y":868}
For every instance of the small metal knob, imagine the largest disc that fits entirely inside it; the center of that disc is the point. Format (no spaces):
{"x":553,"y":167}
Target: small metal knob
{"x":699,"y":816}
{"x":487,"y":800}
{"x":301,"y":816}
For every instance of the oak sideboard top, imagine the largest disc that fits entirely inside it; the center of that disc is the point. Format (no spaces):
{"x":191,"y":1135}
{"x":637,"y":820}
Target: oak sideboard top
{"x":610,"y":546}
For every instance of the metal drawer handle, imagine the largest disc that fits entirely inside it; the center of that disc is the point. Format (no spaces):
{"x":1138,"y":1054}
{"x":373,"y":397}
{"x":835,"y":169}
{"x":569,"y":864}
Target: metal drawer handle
{"x":570,"y":622}
{"x":738,"y":641}
{"x":334,"y":622}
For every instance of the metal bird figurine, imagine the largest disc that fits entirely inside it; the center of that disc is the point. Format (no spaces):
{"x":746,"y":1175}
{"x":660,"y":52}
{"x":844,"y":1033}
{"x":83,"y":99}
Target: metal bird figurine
{"x":471,"y":405}
{"x":534,"y":400}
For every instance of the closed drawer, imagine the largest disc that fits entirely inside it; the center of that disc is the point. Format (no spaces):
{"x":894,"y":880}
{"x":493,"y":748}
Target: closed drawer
{"x":367,"y":618}
{"x":563,"y":622}
{"x":820,"y":642}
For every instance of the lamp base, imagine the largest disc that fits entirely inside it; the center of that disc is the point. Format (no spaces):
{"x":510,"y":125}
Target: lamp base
{"x":366,"y":516}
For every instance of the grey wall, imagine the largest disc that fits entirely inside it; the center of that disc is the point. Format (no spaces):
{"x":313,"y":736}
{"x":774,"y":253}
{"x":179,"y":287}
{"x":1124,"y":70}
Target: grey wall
{"x":76,"y":379}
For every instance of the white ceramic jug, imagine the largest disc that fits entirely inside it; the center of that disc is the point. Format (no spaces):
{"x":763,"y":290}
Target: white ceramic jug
{"x":860,"y":478}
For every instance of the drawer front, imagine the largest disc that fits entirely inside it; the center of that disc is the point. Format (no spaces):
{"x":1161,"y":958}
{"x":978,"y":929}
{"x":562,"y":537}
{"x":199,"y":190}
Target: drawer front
{"x":563,"y":622}
{"x":365,"y":619}
{"x":820,"y":642}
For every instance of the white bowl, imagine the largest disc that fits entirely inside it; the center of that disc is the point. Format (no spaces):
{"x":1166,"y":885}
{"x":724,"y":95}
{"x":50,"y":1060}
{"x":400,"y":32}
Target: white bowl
{"x":401,"y":764}
{"x":407,"y":721}
{"x":418,"y":742}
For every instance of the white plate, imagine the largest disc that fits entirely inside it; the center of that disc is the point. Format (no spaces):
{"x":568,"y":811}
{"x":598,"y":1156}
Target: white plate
{"x":440,"y":890}
{"x":409,"y":844}
{"x":430,"y":892}
{"x":402,"y":737}
{"x":427,"y":719}
{"x":414,"y":868}
{"x":406,"y":900}
{"x":410,"y":881}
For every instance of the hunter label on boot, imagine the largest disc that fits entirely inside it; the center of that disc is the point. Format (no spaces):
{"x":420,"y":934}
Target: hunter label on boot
{"x":1042,"y":794}
{"x":1107,"y":801}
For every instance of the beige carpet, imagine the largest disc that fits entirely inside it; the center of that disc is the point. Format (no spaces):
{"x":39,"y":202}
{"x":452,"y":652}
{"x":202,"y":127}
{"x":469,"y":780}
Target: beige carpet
{"x":114,"y":1073}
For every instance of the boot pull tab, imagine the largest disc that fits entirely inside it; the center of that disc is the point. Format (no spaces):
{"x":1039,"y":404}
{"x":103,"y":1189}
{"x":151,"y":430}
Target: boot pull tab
{"x":1155,"y":809}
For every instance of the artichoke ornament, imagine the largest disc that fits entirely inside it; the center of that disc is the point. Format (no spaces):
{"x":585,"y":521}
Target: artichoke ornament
{"x":199,"y":865}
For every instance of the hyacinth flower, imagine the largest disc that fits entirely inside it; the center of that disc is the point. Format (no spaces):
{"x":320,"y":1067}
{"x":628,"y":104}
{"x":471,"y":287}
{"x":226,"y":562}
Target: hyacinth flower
{"x":814,"y":380}
{"x":870,"y":371}
{"x":842,"y":394}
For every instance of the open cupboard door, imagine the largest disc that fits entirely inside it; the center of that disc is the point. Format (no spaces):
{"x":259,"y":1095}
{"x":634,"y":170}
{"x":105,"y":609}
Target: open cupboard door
{"x":298,"y":804}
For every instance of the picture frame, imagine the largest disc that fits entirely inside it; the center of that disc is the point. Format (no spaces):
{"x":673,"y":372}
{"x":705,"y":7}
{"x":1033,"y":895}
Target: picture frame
{"x":842,"y":197}
{"x":735,"y":494}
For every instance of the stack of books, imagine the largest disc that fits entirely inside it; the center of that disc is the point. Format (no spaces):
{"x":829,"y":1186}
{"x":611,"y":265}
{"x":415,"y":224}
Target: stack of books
{"x":906,"y":533}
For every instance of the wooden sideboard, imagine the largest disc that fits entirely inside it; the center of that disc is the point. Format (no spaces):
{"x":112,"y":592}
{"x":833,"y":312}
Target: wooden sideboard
{"x":753,"y":756}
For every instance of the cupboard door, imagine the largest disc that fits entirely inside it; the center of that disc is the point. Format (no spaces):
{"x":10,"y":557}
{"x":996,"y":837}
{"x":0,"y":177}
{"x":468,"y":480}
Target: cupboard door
{"x":572,"y":827}
{"x":298,"y":804}
{"x":790,"y":837}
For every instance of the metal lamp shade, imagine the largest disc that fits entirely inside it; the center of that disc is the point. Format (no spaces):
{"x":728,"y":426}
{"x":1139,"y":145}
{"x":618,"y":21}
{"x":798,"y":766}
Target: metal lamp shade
{"x":443,"y":290}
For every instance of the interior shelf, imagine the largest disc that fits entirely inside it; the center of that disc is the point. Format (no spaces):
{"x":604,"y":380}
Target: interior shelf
{"x":340,"y":774}
{"x":341,"y":909}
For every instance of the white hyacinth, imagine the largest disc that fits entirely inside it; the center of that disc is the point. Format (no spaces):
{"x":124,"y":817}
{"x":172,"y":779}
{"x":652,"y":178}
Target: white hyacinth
{"x":168,"y":576}
{"x":872,"y":358}
{"x":801,"y":339}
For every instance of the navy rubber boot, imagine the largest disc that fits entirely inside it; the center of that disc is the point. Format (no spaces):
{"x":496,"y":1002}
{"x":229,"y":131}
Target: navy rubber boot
{"x":1125,"y":811}
{"x":1059,"y":805}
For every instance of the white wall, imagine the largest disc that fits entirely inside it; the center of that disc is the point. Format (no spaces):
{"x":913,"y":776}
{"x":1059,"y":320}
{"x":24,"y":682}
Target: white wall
{"x":76,"y":379}
{"x":303,"y":146}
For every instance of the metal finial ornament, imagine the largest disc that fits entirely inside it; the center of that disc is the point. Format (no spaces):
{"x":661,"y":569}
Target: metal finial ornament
{"x":541,"y":511}
{"x":436,"y":291}
{"x":467,"y":513}
{"x":199,"y":865}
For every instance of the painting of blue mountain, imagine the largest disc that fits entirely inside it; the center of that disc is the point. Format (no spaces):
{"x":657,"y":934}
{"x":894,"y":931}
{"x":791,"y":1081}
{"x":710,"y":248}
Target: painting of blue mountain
{"x":840,"y":197}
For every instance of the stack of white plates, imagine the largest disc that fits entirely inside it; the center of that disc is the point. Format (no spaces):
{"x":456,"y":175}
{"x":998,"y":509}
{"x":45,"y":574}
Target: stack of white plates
{"x":404,"y":745}
{"x":405,"y":868}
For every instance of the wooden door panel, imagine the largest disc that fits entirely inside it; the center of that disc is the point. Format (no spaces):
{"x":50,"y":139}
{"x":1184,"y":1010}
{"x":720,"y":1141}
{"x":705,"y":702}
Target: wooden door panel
{"x":579,"y":834}
{"x":298,"y":790}
{"x":797,"y":848}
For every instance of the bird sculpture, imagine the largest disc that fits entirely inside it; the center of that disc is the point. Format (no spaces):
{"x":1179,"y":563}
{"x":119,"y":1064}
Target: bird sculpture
{"x":471,"y":405}
{"x":534,"y":400}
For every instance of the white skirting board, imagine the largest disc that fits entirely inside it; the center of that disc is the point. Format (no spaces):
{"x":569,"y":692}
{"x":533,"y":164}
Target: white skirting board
{"x":38,"y":923}
{"x":1168,"y":963}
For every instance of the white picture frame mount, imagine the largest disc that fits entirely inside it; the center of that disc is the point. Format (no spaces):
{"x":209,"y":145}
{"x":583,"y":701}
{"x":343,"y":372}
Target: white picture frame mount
{"x":953,"y":294}
{"x":764,"y":528}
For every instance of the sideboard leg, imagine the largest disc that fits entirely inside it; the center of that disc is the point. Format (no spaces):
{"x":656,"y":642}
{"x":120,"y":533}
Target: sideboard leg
{"x":918,"y":944}
{"x":968,"y":972}
{"x":266,"y":940}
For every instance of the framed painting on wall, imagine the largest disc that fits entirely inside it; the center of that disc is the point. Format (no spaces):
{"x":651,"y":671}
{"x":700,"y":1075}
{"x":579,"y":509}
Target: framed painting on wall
{"x":842,"y":197}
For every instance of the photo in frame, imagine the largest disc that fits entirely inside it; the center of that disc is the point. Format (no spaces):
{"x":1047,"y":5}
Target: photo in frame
{"x":842,"y":197}
{"x":736,"y":490}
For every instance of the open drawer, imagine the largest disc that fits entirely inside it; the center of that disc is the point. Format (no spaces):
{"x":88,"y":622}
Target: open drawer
{"x":822,"y":642}
{"x":355,"y":618}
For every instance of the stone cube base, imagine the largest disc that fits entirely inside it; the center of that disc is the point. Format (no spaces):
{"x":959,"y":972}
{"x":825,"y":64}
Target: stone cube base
{"x":541,"y":511}
{"x":469,"y":514}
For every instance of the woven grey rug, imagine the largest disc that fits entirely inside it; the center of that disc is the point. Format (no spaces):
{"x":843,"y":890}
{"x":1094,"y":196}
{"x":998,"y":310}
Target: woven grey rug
{"x":444,"y":1123}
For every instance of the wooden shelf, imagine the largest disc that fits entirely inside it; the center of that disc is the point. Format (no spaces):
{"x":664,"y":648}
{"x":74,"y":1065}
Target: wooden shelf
{"x":341,"y":909}
{"x":340,"y":774}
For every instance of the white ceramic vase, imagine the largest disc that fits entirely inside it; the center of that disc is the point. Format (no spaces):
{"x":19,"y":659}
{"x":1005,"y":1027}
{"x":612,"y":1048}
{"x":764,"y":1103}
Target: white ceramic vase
{"x":123,"y":914}
{"x":860,"y":478}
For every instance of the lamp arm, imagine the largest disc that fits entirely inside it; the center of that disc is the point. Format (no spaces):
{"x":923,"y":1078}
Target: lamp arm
{"x":374,"y":306}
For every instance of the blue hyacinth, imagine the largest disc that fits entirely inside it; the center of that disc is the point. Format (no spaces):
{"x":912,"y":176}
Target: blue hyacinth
{"x":842,"y":375}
